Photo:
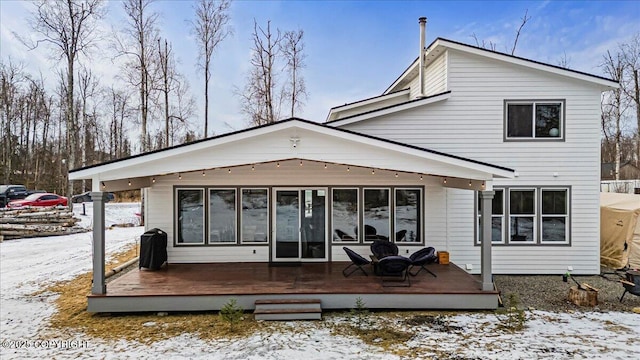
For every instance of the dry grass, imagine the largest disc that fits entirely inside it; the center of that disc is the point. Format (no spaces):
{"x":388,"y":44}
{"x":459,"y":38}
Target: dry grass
{"x":72,"y":317}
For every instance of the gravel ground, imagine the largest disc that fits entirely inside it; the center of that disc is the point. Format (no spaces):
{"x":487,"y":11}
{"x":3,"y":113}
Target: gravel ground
{"x":550,"y":293}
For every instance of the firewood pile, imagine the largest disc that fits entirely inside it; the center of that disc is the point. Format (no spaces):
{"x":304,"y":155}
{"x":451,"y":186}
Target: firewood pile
{"x":36,"y":222}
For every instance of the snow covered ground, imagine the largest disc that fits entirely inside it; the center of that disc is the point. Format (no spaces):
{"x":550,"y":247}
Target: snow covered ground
{"x":26,"y":265}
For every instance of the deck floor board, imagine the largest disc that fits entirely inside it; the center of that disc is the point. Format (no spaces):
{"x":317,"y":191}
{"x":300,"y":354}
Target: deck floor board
{"x":262,"y":279}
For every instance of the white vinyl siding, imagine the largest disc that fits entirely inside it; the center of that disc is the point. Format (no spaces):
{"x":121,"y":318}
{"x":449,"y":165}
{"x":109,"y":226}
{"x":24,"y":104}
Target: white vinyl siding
{"x":471,"y":124}
{"x":435,"y":78}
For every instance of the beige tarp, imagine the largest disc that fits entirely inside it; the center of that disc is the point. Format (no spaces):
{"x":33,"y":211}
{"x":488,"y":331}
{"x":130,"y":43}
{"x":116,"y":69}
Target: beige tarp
{"x":620,"y":225}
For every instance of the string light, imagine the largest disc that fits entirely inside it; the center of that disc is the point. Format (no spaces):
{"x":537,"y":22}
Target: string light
{"x":203,"y":173}
{"x":103,"y":185}
{"x":348,"y":168}
{"x":325,"y":165}
{"x":420,"y":177}
{"x":278,"y":164}
{"x":300,"y":162}
{"x":469,"y":182}
{"x":444,"y":181}
{"x":253,"y":168}
{"x":179,"y":176}
{"x":229,"y":171}
{"x":153,"y":180}
{"x":396,"y":174}
{"x":483,"y":185}
{"x":373,"y":171}
{"x":129,"y":182}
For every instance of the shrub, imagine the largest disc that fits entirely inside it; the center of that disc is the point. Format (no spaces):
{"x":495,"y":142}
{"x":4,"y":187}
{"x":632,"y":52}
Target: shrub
{"x":360,"y":314}
{"x":232,"y":313}
{"x":512,"y":318}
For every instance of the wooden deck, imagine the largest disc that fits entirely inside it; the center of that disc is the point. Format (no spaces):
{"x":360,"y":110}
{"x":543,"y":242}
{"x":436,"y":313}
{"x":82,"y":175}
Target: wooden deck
{"x":198,"y":287}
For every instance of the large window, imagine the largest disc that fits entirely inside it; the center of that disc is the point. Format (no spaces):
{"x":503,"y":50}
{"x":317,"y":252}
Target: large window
{"x":344,"y":209}
{"x":190,"y":216}
{"x":497,"y":218}
{"x":376,"y":214}
{"x":534,"y":119}
{"x":255,"y":215}
{"x":222,"y":216}
{"x":522,"y":215}
{"x":554,"y":215}
{"x":536,"y":215}
{"x":407,"y":213}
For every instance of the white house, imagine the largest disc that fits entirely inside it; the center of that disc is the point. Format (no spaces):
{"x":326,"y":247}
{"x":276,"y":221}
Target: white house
{"x":459,"y":125}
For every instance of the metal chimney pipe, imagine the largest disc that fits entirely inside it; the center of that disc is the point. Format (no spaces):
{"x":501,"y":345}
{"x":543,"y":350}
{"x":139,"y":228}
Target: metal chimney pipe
{"x":423,"y":24}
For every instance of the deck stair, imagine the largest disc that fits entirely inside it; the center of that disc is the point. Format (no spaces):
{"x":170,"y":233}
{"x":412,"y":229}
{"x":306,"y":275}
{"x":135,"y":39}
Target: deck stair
{"x":288,"y":309}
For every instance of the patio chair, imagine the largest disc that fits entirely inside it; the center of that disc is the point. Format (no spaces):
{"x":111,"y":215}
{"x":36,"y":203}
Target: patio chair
{"x":383,"y":248}
{"x":421,"y":258}
{"x":631,"y":284}
{"x":394,"y":267}
{"x":356,"y":260}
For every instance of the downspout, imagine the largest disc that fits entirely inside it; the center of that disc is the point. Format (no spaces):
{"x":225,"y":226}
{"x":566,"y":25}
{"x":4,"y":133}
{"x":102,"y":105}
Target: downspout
{"x":423,"y":24}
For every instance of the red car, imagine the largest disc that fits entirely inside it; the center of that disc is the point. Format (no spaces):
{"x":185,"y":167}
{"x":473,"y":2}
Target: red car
{"x":39,"y":199}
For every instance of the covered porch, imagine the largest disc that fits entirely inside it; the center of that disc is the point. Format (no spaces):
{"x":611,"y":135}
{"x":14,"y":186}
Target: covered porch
{"x":203,"y":287}
{"x":284,"y":162}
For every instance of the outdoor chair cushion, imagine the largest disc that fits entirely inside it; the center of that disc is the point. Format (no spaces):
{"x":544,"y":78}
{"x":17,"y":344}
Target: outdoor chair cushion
{"x":394,"y":266}
{"x":382,"y":248}
{"x":423,"y":257}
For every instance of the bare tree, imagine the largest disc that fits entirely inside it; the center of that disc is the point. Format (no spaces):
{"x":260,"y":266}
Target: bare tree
{"x":119,"y":111}
{"x":564,"y":61}
{"x":210,"y":27}
{"x":492,"y":46}
{"x":523,"y":22}
{"x":631,"y":83}
{"x":69,"y":27}
{"x":166,"y":74}
{"x":261,"y":101}
{"x":292,"y":48}
{"x":87,"y":86}
{"x":11,"y":75}
{"x":485,"y":45}
{"x":614,"y":103}
{"x":141,"y":36}
{"x":176,"y":103}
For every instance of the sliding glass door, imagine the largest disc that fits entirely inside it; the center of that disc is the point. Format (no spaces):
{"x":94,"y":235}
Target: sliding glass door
{"x":300,"y":224}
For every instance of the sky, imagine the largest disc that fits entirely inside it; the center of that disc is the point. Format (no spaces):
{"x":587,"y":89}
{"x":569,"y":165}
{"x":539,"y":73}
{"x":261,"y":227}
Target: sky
{"x":354,"y":49}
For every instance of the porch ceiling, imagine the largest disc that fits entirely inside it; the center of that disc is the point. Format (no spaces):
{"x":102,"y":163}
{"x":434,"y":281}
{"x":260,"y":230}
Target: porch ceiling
{"x":290,"y":140}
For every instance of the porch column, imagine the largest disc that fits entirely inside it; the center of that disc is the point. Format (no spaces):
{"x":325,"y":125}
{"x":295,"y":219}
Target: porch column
{"x":485,"y":250}
{"x":99,"y":283}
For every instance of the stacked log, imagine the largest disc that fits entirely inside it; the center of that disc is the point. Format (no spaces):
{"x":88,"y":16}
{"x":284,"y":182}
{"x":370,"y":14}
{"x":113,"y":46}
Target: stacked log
{"x":37,"y":222}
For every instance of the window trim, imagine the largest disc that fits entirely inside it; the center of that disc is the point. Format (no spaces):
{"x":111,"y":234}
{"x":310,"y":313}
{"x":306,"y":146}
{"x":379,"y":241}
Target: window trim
{"x":503,"y":238}
{"x":537,"y":219}
{"x":420,"y":215}
{"x":567,"y":216}
{"x":240,"y":222}
{"x":209,"y":214}
{"x":333,"y":229}
{"x":534,"y":216}
{"x":390,"y":204}
{"x":204,"y":216}
{"x":533,"y":102}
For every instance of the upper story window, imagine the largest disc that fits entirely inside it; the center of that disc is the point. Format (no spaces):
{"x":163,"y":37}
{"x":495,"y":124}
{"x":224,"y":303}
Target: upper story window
{"x":542,"y":119}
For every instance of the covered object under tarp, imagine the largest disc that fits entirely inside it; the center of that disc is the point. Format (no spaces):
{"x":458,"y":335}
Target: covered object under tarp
{"x":620,"y":230}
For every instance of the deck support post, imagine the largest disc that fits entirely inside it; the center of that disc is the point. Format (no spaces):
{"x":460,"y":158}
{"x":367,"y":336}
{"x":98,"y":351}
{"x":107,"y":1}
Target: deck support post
{"x":99,"y":286}
{"x":485,"y":250}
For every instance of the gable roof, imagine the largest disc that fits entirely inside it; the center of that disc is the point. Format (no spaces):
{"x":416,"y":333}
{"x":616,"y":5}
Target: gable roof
{"x":439,"y":45}
{"x":210,"y":153}
{"x":390,"y":109}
